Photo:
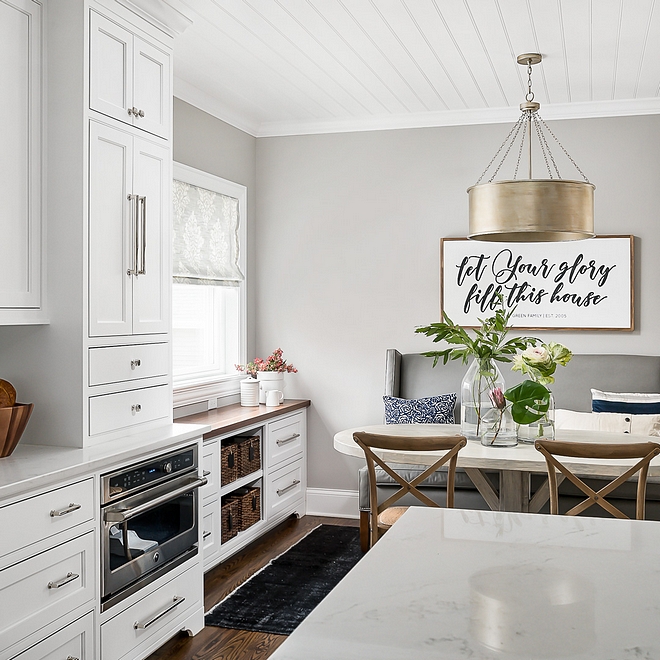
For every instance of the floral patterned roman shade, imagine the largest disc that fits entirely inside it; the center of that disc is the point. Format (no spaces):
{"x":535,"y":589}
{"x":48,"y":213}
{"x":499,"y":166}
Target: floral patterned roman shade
{"x":205,"y":237}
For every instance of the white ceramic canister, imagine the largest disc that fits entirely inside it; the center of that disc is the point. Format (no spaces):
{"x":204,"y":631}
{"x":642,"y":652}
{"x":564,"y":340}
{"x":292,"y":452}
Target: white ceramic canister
{"x":249,"y":392}
{"x":269,"y":380}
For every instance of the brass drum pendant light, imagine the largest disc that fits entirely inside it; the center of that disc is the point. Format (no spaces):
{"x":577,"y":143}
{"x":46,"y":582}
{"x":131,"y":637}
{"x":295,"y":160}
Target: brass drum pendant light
{"x":531,"y":210}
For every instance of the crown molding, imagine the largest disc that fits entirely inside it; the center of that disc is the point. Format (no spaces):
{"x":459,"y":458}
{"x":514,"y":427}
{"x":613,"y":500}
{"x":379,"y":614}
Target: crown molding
{"x":194,"y":96}
{"x":582,"y":110}
{"x":172,"y":16}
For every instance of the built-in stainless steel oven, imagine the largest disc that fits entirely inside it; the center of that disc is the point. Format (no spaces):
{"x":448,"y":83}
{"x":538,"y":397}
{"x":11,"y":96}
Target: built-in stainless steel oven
{"x":150,"y":522}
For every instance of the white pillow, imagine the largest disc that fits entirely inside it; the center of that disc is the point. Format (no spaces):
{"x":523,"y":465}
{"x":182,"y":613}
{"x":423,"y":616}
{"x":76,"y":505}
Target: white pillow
{"x":645,"y":425}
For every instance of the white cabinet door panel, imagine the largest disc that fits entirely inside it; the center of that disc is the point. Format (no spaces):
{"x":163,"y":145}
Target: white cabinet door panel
{"x":151,"y":88}
{"x":40,"y":590}
{"x":110,"y":68}
{"x":110,"y":231}
{"x":20,"y":155}
{"x":151,"y":182}
{"x":74,"y":641}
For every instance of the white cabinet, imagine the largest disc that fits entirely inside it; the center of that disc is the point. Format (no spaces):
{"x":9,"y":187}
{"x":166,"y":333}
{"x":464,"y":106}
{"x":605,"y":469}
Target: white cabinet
{"x":74,"y":641}
{"x":129,"y":77}
{"x":128,"y":233}
{"x":21,"y":157}
{"x":281,"y":480}
{"x":48,"y":571}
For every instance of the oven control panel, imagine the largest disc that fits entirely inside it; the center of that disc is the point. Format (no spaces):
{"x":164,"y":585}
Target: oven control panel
{"x":138,"y":476}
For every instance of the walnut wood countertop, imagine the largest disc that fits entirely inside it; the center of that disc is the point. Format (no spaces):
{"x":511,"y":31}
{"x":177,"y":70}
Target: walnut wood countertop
{"x":230,"y":418}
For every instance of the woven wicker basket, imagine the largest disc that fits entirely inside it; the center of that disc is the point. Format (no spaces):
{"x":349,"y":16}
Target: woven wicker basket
{"x":249,"y":500}
{"x":249,"y":455}
{"x":230,"y":519}
{"x":229,"y":462}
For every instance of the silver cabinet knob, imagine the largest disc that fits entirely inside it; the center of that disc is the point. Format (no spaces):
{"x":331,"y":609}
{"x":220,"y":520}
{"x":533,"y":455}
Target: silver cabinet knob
{"x":135,"y":363}
{"x":141,"y":113}
{"x":136,"y":408}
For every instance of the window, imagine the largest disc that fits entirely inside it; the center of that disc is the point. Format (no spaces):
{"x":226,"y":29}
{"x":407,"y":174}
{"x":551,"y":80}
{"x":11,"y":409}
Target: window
{"x":208,"y":293}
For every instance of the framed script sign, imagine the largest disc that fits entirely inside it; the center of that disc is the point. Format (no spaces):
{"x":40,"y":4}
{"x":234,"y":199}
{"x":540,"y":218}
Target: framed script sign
{"x":575,"y":285}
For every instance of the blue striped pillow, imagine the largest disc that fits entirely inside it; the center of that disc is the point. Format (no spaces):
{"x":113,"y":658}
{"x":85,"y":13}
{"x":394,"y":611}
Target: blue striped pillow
{"x":431,"y":410}
{"x":633,"y":403}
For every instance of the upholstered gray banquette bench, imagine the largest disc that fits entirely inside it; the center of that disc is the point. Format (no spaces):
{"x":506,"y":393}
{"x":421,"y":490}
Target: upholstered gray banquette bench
{"x":412,"y":376}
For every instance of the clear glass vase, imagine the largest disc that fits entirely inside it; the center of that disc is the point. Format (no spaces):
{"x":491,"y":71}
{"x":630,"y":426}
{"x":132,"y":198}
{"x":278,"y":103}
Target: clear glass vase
{"x":542,"y":429}
{"x":498,"y":428}
{"x":481,"y":378}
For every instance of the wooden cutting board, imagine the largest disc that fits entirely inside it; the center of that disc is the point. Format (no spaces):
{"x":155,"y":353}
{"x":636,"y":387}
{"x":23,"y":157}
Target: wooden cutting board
{"x":7,"y":394}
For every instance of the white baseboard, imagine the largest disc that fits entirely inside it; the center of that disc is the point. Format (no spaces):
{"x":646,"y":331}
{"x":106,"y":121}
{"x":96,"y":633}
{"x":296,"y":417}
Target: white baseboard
{"x":331,"y":502}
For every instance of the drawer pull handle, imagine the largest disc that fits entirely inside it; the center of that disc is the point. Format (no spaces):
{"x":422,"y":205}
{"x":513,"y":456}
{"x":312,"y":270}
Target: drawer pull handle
{"x":135,"y":363}
{"x":70,"y":577}
{"x":136,"y":408}
{"x":205,"y":473}
{"x":283,"y":441}
{"x":281,"y":491}
{"x":62,"y":512}
{"x":176,"y":601}
{"x":206,"y":535}
{"x":70,"y":657}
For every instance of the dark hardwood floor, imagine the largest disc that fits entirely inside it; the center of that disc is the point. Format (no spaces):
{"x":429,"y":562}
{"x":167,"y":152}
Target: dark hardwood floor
{"x":226,"y":644}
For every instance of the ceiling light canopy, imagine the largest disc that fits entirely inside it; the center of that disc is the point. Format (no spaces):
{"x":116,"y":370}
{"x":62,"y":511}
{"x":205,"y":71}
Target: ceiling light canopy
{"x":530,"y":210}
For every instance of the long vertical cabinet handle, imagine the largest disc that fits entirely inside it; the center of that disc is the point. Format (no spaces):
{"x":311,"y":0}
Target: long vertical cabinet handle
{"x":133,"y":202}
{"x":142,"y":268}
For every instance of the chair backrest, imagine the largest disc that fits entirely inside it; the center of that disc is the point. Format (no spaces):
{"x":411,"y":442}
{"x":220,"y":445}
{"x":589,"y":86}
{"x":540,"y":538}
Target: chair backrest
{"x":370,"y":441}
{"x":645,"y":451}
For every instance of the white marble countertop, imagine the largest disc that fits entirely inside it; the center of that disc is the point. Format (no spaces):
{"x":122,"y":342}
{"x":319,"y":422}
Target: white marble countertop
{"x":32,"y":467}
{"x":523,"y":457}
{"x":452,"y":583}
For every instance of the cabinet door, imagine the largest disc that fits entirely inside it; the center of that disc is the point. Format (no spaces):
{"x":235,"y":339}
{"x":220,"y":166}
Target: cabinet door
{"x":110,"y":68}
{"x":151,"y":88}
{"x":151,"y":286}
{"x":111,"y":231}
{"x":20,"y":158}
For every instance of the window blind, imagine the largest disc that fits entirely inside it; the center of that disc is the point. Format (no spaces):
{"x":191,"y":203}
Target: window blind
{"x":205,"y":237}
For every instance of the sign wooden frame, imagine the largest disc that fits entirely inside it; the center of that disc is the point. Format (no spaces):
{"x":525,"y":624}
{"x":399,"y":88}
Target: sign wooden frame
{"x":576,"y":285}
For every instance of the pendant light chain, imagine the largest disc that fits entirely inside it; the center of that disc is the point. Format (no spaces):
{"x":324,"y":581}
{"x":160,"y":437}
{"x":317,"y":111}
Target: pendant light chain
{"x":584,"y":176}
{"x":516,"y":128}
{"x":529,"y":97}
{"x":545,"y":148}
{"x":522,"y":144}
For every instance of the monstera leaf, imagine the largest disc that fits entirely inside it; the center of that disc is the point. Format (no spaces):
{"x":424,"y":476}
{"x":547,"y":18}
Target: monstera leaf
{"x":530,"y":401}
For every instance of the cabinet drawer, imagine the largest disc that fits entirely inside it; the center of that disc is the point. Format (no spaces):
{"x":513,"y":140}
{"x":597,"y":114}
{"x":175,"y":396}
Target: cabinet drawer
{"x":210,"y":531}
{"x":124,"y":409}
{"x":152,"y":616}
{"x":211,"y":469}
{"x":42,"y":516}
{"x":74,"y":641}
{"x":116,"y":364}
{"x":285,"y":487}
{"x":39,"y":590}
{"x":285,"y":439}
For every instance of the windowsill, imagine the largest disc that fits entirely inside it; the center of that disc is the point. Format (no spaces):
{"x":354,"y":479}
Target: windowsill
{"x":188,"y":393}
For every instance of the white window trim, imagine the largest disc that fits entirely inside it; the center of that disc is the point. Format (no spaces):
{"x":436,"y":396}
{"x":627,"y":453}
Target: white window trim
{"x":186,"y":391}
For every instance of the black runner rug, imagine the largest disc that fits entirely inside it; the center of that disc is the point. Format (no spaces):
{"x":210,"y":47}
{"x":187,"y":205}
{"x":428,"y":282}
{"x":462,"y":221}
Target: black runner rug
{"x":277,"y":598}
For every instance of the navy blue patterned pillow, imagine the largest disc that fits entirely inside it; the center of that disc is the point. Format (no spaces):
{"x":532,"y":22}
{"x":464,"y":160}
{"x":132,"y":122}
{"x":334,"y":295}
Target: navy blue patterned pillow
{"x":431,"y":410}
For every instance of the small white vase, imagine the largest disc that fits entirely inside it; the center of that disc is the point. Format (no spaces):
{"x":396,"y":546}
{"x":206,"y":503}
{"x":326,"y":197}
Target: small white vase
{"x":269,"y":380}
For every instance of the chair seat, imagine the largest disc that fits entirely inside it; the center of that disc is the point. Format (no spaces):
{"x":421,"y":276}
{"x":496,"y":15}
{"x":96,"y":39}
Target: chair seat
{"x":388,"y":517}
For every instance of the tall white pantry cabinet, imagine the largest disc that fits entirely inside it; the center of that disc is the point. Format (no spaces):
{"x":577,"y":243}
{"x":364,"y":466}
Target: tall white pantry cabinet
{"x":101,"y":368}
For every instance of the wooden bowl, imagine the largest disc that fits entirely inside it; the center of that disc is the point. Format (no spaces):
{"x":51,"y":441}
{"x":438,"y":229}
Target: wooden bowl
{"x":13,"y":420}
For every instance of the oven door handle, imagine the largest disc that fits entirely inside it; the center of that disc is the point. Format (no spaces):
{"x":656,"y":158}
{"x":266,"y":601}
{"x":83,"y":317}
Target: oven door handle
{"x":114,"y":515}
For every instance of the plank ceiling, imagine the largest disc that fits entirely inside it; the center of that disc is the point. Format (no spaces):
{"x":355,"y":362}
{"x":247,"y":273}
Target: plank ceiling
{"x":282,"y":67}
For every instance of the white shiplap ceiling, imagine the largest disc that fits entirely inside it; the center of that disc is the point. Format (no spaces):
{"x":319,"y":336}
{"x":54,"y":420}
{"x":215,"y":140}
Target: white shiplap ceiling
{"x":283,"y":67}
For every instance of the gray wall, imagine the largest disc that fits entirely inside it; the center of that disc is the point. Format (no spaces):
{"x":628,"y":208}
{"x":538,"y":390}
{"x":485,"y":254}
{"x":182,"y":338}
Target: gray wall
{"x":211,"y":145}
{"x":347,"y":252}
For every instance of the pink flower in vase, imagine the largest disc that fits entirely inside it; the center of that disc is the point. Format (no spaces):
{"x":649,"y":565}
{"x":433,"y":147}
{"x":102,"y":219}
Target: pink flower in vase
{"x":497,"y":398}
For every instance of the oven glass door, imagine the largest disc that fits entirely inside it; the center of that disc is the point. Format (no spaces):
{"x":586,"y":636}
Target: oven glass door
{"x":145,"y":531}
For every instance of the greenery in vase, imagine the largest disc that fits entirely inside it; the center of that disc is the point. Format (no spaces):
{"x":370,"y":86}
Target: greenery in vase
{"x":530,"y":399}
{"x":489,"y":341}
{"x":488,"y":345}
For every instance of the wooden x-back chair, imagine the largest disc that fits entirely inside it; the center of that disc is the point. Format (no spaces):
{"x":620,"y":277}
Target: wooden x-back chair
{"x":382,"y":520}
{"x":645,"y":451}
